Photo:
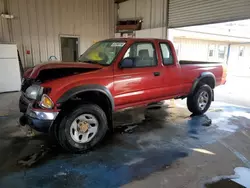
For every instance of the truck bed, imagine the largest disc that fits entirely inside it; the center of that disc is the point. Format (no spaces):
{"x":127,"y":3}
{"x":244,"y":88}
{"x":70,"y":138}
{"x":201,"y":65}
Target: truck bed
{"x":191,"y":70}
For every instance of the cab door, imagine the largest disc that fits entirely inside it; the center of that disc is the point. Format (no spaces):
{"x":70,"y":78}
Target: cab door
{"x":142,"y":81}
{"x":172,"y":78}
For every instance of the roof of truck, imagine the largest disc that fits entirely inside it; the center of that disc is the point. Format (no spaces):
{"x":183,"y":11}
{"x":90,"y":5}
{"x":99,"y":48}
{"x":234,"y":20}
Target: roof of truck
{"x":135,"y":39}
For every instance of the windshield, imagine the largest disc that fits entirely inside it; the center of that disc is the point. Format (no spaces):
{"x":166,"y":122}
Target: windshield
{"x":102,"y":53}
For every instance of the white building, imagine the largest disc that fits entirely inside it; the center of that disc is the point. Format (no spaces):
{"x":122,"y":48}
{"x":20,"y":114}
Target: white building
{"x":216,"y":43}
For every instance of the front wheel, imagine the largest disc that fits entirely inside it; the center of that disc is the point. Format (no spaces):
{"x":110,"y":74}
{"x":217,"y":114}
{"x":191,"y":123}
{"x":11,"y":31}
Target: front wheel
{"x":83,"y":128}
{"x":199,"y":102}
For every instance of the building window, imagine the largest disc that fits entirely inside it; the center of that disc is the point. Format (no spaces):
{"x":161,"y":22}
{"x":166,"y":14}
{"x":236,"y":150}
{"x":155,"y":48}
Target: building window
{"x":241,"y":51}
{"x":211,"y":50}
{"x":222,"y":51}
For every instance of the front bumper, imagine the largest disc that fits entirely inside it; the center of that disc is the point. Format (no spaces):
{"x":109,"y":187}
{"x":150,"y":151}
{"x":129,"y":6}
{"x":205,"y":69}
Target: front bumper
{"x":37,"y":124}
{"x":38,"y":119}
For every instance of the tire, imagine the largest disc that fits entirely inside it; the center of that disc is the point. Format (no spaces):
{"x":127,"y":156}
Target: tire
{"x":53,"y":133}
{"x":190,"y":103}
{"x":66,"y":129}
{"x":193,"y":101}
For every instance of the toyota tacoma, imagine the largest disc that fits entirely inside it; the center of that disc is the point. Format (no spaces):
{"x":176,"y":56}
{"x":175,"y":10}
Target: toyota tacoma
{"x":75,"y":101}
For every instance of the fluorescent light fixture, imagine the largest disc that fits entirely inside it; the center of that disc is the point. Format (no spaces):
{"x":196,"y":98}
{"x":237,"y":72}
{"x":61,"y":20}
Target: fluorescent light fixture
{"x":7,"y":16}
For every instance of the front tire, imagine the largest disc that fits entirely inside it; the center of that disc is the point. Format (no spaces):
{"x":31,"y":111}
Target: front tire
{"x":83,"y":128}
{"x":199,"y":102}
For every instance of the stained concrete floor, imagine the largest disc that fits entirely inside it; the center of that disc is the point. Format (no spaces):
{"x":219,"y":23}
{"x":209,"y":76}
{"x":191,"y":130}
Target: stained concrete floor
{"x":160,"y":147}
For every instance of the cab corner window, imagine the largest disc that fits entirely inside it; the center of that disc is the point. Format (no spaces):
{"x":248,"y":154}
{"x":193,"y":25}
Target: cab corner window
{"x":166,"y":54}
{"x":142,"y":54}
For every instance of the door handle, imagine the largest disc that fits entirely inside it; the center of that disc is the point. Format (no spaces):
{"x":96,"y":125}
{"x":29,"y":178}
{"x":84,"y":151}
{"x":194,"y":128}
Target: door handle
{"x":157,"y":73}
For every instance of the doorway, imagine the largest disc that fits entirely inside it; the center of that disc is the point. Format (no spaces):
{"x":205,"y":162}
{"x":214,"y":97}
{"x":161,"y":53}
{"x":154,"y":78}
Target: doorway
{"x":69,"y":49}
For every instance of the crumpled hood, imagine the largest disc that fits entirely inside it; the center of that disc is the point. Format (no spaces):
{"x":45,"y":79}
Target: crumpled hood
{"x":63,"y":68}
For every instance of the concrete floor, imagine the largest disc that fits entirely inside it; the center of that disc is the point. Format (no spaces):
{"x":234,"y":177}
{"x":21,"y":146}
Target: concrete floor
{"x":163,"y":147}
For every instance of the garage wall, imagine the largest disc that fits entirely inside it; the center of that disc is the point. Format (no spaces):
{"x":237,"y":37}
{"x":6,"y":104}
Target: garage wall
{"x":159,"y":32}
{"x":4,"y":27}
{"x":153,"y":12}
{"x":39,"y":23}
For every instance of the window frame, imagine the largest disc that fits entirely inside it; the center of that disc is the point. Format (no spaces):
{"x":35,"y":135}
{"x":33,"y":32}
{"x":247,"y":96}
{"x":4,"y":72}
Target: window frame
{"x":213,"y":49}
{"x":170,"y":52}
{"x":225,"y":51}
{"x":243,"y":51}
{"x":142,"y":42}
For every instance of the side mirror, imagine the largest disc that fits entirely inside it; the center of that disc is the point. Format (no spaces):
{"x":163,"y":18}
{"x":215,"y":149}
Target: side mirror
{"x":127,"y":63}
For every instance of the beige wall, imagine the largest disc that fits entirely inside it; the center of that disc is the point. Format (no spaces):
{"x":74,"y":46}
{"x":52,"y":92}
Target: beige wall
{"x":39,"y":23}
{"x":197,"y":49}
{"x":153,"y":12}
{"x":235,"y":59}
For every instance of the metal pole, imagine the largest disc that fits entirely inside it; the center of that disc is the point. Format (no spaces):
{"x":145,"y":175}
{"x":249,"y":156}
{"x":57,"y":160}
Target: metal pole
{"x":228,"y":52}
{"x":167,"y":19}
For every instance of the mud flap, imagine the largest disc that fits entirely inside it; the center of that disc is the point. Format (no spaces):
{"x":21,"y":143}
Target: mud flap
{"x":212,"y":95}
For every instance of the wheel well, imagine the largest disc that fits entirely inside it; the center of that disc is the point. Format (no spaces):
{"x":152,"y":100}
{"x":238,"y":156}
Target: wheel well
{"x":94,"y":97}
{"x":207,"y":80}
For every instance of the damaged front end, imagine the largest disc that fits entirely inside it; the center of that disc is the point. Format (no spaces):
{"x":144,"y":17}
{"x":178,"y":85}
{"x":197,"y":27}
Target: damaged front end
{"x":31,"y":105}
{"x":44,"y":74}
{"x":38,"y":109}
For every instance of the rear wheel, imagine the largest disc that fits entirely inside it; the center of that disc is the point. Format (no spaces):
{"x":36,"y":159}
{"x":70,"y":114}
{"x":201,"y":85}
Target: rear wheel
{"x":83,"y":128}
{"x":199,"y":102}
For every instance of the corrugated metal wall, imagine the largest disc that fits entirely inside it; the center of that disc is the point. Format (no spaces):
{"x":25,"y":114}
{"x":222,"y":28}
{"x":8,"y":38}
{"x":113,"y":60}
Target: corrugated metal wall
{"x":151,"y":33}
{"x":195,"y":12}
{"x":4,"y":25}
{"x":153,"y":12}
{"x":38,"y":25}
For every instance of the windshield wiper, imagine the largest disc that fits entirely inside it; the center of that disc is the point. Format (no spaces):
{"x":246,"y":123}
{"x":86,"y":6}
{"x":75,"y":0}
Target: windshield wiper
{"x":93,"y":62}
{"x":90,"y":61}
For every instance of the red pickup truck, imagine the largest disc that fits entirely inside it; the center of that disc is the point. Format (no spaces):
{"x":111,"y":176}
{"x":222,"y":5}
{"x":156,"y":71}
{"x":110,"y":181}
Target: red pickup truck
{"x":75,"y":101}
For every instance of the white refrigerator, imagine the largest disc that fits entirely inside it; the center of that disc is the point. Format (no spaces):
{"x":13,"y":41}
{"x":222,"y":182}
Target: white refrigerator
{"x":10,"y":77}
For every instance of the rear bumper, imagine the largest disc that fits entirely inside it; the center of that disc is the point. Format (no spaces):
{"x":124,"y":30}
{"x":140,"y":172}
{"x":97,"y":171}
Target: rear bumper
{"x":38,"y":119}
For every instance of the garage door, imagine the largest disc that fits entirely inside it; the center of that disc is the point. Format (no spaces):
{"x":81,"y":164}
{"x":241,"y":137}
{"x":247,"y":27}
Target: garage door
{"x":196,"y":12}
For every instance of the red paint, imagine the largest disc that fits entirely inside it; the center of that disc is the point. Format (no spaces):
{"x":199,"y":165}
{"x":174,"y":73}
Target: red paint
{"x":133,"y":86}
{"x":28,"y":52}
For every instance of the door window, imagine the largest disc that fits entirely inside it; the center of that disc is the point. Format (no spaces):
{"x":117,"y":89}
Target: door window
{"x":142,"y":54}
{"x":166,"y":54}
